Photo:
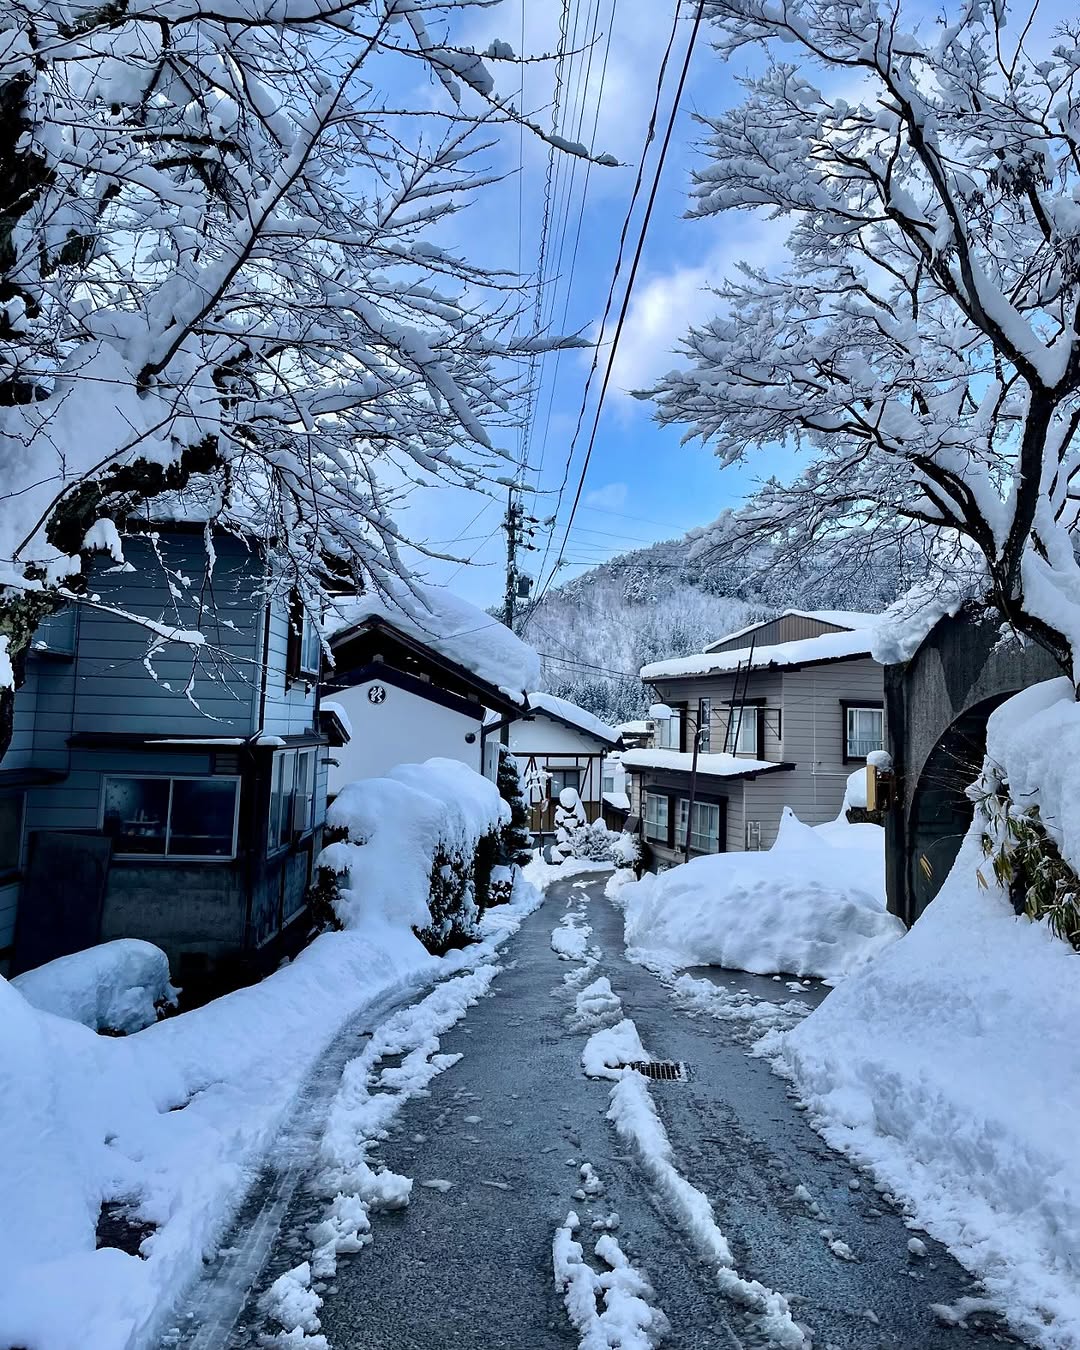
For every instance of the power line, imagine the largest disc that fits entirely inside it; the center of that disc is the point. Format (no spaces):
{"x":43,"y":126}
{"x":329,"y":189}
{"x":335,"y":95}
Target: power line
{"x":638,"y":182}
{"x":569,"y":288}
{"x":587,"y":665}
{"x":639,"y":248}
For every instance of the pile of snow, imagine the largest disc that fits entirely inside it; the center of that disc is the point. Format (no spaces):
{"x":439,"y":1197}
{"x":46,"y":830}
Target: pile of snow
{"x":119,"y":986}
{"x":396,"y":825}
{"x":450,"y":626}
{"x":173,"y":1121}
{"x":814,"y":904}
{"x":613,"y":1308}
{"x":949,"y":1065}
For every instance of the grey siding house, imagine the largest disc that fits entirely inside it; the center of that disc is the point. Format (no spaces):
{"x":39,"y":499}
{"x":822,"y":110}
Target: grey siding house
{"x":784,"y":711}
{"x":162,"y":790}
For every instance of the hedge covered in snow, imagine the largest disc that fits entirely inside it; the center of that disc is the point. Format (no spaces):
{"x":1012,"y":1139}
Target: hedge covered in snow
{"x":117,"y":987}
{"x":414,"y":849}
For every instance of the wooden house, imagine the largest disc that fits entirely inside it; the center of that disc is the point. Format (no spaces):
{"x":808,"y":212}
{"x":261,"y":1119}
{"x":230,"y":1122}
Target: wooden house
{"x":422,"y":674}
{"x":161,"y":789}
{"x":783,"y":711}
{"x":561,"y":746}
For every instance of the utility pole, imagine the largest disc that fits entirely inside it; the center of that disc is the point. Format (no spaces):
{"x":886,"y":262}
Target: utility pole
{"x":519,"y":531}
{"x":512,"y":526}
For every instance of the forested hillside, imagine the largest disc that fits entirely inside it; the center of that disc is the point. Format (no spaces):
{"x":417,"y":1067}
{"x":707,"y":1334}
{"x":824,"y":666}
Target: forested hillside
{"x":596,"y":631}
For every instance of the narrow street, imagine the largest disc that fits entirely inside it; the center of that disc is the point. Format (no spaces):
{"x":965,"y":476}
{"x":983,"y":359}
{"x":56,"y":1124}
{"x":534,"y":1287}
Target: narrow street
{"x":495,"y":1148}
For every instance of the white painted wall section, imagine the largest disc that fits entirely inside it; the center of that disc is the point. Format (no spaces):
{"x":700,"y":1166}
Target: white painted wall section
{"x":403,"y":728}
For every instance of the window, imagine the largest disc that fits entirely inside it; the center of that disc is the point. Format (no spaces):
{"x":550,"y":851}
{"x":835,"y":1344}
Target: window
{"x":292,"y":797}
{"x":864,"y":731}
{"x":669,"y":731}
{"x":558,"y":779}
{"x":705,"y":832}
{"x":11,"y":830}
{"x":744,"y":730}
{"x":310,"y":646}
{"x":171,"y":817}
{"x":656,"y":818}
{"x":704,"y":723}
{"x":609,"y":782}
{"x":303,"y":656}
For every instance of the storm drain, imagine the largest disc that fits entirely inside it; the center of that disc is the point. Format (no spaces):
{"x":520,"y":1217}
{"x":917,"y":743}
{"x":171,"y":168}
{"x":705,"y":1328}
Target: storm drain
{"x":664,"y":1070}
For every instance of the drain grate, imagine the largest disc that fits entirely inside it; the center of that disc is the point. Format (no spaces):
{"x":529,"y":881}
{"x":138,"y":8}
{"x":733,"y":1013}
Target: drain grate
{"x":665,"y":1070}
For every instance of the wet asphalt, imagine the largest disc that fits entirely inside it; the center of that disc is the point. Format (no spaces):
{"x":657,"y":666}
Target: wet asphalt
{"x":469,"y":1264}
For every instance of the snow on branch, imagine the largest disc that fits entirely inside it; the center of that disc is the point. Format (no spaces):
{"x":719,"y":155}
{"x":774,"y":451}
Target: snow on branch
{"x":921,"y":338}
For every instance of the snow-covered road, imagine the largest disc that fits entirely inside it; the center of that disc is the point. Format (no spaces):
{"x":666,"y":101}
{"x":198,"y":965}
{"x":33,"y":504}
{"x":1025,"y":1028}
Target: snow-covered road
{"x":548,"y":1210}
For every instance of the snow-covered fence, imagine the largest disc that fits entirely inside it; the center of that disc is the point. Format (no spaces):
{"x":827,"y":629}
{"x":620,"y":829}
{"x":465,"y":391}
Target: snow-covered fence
{"x":116,"y":987}
{"x":414,"y":850}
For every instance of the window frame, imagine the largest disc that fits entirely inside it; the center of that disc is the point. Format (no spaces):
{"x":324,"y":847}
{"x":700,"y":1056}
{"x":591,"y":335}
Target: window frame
{"x":703,"y":730}
{"x":561,"y":769}
{"x":170,"y":778}
{"x":665,"y":840}
{"x":701,"y":806}
{"x":300,"y":625}
{"x":748,"y":716}
{"x":278,"y":840}
{"x":847,"y":707}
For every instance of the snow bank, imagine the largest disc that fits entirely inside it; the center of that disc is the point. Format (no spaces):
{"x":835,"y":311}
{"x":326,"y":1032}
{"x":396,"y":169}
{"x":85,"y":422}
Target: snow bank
{"x":396,"y":826}
{"x":171,"y":1121}
{"x":814,"y":904}
{"x":949,"y":1064}
{"x":117,"y":986}
{"x":450,"y":626}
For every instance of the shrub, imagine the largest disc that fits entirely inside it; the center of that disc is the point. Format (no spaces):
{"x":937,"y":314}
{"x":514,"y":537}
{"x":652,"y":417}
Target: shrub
{"x":487,"y":855}
{"x":452,"y":902}
{"x":515,"y":838}
{"x":593,"y":843}
{"x":569,"y":817}
{"x":1026,"y":861}
{"x":414,"y":850}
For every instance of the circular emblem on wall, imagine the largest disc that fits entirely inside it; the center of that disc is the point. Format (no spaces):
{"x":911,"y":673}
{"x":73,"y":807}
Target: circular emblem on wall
{"x":377,"y":693}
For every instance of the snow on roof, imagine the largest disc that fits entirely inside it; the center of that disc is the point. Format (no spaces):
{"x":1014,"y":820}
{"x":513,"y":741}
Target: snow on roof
{"x":712,"y":766}
{"x":565,"y":711}
{"x":334,"y":709}
{"x":450,"y":626}
{"x":618,"y":801}
{"x":842,"y":618}
{"x":639,"y":728}
{"x":803,"y":651}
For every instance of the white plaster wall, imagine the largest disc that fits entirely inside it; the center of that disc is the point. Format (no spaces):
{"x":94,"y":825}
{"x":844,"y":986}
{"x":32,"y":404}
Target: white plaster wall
{"x":403,"y":729}
{"x":541,"y":736}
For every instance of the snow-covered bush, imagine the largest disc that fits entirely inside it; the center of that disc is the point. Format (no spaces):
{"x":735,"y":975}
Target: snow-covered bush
{"x":1026,"y":857}
{"x":407,"y":857}
{"x":626,"y":850}
{"x":569,"y":816}
{"x":515,"y":837}
{"x":594,"y":843}
{"x":116,"y":987}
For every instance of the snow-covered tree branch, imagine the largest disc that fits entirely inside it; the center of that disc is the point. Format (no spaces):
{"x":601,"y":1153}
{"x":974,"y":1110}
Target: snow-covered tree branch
{"x":225,"y":264}
{"x":922,"y":341}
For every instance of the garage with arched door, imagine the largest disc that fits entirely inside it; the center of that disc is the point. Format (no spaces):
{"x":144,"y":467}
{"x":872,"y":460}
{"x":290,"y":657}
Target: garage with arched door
{"x":938,"y":704}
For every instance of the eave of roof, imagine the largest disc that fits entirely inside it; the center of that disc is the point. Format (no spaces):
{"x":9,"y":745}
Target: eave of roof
{"x":489,"y":695}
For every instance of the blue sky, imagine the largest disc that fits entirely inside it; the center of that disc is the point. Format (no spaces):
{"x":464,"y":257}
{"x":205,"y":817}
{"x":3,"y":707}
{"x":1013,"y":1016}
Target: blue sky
{"x":641,"y":485}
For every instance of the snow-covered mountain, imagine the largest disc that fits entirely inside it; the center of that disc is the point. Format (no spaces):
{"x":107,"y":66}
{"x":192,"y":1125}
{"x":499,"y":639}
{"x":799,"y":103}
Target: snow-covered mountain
{"x":595,"y":632}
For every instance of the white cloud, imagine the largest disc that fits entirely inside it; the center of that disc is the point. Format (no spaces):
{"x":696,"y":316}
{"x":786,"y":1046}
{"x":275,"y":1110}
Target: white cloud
{"x":669,"y":302}
{"x":610,"y":497}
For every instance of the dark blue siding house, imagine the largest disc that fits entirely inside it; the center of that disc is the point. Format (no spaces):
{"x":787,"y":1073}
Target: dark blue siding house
{"x":160,"y":790}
